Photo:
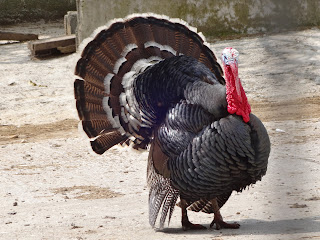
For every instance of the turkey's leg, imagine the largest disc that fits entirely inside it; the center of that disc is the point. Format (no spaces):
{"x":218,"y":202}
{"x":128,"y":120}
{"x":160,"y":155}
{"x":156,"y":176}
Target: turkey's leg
{"x":186,"y":224}
{"x":218,"y":220}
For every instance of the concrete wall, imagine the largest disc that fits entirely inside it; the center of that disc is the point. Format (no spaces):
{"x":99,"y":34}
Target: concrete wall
{"x":15,"y":11}
{"x":212,"y":17}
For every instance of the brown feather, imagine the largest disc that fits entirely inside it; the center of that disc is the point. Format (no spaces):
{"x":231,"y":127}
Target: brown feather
{"x":89,"y":111}
{"x":158,"y":34}
{"x":82,"y":88}
{"x":114,"y":103}
{"x":116,"y":87}
{"x":159,"y":158}
{"x":89,"y":73}
{"x":94,"y":128}
{"x":143,"y":33}
{"x":106,"y":141}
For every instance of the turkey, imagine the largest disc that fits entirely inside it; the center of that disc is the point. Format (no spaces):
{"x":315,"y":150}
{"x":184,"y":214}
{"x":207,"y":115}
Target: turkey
{"x":153,"y":82}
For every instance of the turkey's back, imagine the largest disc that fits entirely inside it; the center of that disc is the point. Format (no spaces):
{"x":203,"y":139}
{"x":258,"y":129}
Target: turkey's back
{"x":110,"y":64}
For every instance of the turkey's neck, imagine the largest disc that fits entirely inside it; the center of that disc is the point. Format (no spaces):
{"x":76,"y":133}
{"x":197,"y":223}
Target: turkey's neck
{"x":236,"y":97}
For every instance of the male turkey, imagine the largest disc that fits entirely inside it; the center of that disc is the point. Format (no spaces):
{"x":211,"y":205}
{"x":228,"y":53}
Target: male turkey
{"x":152,"y":80}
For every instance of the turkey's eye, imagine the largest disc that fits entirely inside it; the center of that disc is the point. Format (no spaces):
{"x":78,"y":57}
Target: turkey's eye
{"x":225,"y":59}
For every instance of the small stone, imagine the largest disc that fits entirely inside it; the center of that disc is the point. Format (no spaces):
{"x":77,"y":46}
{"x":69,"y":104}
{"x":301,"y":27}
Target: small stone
{"x":280,"y":130}
{"x":15,"y":204}
{"x":74,"y":226}
{"x":14,"y":137}
{"x":56,"y":145}
{"x":317,"y":80}
{"x":314,"y":198}
{"x":297,"y":205}
{"x":32,"y":83}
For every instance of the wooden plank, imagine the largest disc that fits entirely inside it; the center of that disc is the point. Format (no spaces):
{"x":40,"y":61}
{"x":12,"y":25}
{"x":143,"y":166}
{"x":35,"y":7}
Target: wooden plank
{"x":17,"y":36}
{"x":67,"y":49}
{"x":52,"y":43}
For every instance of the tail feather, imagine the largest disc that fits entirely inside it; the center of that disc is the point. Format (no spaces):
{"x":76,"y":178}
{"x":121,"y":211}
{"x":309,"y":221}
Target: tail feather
{"x":156,"y":197}
{"x":106,"y":141}
{"x":141,"y":30}
{"x":90,"y":115}
{"x":87,"y":71}
{"x":162,"y":196}
{"x":205,"y":205}
{"x":95,"y":127}
{"x":172,"y":204}
{"x":90,"y":111}
{"x":168,"y":205}
{"x":115,"y":86}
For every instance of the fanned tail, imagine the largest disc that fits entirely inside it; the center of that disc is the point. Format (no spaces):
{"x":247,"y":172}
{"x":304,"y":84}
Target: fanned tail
{"x":112,"y":60}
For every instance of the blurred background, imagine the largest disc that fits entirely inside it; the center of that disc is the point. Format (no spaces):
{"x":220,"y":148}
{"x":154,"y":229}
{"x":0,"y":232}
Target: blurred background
{"x":212,"y":17}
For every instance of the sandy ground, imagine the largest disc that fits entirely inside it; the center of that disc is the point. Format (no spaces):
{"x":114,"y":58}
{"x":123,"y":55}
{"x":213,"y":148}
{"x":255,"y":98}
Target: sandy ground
{"x":53,"y":187}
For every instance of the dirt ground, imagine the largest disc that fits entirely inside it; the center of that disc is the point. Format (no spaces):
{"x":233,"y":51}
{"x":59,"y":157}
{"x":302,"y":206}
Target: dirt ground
{"x":53,"y":187}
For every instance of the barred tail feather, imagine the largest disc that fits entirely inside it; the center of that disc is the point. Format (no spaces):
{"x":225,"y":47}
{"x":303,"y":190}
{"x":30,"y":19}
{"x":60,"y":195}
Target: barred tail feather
{"x":168,"y":205}
{"x":205,"y":205}
{"x":106,"y":141}
{"x":162,"y":196}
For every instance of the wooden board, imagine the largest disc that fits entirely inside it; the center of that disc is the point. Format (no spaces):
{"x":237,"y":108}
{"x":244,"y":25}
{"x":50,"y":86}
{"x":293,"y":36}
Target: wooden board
{"x":17,"y":36}
{"x":45,"y":46}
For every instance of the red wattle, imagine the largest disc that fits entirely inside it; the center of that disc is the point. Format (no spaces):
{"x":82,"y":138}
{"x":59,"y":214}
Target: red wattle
{"x":236,"y":104}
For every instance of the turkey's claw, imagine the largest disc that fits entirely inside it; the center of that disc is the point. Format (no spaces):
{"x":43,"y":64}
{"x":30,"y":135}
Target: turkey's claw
{"x":218,"y":220}
{"x":221,"y":224}
{"x":187,"y":225}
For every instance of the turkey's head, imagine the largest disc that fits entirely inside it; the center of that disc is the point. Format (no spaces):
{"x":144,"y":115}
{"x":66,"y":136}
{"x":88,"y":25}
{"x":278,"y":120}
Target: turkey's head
{"x":236,"y":97}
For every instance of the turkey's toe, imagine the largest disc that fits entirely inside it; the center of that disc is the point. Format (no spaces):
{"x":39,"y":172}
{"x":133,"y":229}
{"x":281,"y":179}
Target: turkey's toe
{"x":186,"y":225}
{"x":222,"y":224}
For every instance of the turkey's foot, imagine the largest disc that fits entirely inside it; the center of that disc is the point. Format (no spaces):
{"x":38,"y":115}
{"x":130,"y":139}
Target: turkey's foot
{"x":222,"y":224}
{"x":187,"y":225}
{"x":218,"y":220}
